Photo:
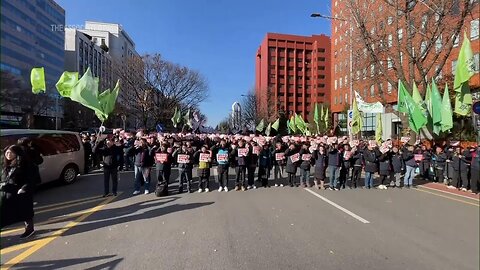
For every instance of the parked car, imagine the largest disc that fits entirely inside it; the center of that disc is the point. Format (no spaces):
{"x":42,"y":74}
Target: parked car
{"x":62,"y":152}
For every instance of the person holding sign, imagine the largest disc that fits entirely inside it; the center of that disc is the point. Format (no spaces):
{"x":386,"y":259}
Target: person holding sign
{"x":204,"y":162}
{"x":384,"y":164}
{"x":305,"y":165}
{"x":222,"y":152}
{"x":411,"y":165}
{"x":371,"y":155}
{"x":397,"y":168}
{"x":357,"y":161}
{"x":321,"y":161}
{"x":110,"y":154}
{"x":142,"y":165}
{"x":252,"y":165}
{"x":241,"y":154}
{"x":279,"y":164}
{"x":346,"y":166}
{"x":163,"y":160}
{"x":293,"y":157}
{"x":184,"y":157}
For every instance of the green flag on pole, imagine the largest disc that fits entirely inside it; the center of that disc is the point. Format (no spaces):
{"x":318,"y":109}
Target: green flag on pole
{"x":463,"y":72}
{"x":401,"y":99}
{"x":176,"y":118}
{"x":85,"y":92}
{"x":428,"y":100}
{"x":447,"y":117}
{"x":326,"y":120}
{"x":187,"y":119}
{"x":103,"y":100}
{"x":276,"y":124}
{"x":418,"y":98}
{"x":357,"y":121}
{"x":316,"y":115}
{"x":436,"y":113}
{"x":416,"y":118}
{"x":261,"y":126}
{"x":66,"y":82}
{"x":37,"y":78}
{"x":291,"y":124}
{"x":268,"y":129}
{"x":300,"y":124}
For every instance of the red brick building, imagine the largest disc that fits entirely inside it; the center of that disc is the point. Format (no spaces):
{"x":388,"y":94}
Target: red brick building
{"x":292,"y":73}
{"x":388,"y":30}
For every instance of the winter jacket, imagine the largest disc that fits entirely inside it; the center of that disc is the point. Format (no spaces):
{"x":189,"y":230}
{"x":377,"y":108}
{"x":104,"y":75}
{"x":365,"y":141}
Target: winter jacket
{"x":370,"y":160}
{"x":384,"y":164}
{"x":167,"y":164}
{"x":321,"y":161}
{"x":397,"y":163}
{"x":141,"y":156}
{"x":279,"y":162}
{"x":110,"y":155}
{"x":265,"y":159}
{"x":409,"y":159}
{"x":357,"y":159}
{"x":334,"y":157}
{"x":439,"y":160}
{"x":305,"y":164}
{"x":188,"y":165}
{"x":291,"y":166}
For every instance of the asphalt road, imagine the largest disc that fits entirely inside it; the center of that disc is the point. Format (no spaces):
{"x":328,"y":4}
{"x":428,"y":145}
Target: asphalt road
{"x":273,"y":228}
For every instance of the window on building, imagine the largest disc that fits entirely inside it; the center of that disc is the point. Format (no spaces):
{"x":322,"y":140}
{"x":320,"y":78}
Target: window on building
{"x":281,"y":94}
{"x":365,"y":91}
{"x":340,"y":99}
{"x":290,"y":77}
{"x":389,"y":63}
{"x":290,"y":60}
{"x":372,"y":90}
{"x":281,"y":76}
{"x":290,"y":95}
{"x":290,"y":86}
{"x":346,"y":80}
{"x":438,"y":44}
{"x":273,"y":76}
{"x":272,"y":59}
{"x":320,"y":94}
{"x":380,"y":88}
{"x":340,"y":82}
{"x":321,"y":59}
{"x":372,"y":70}
{"x":299,"y":95}
{"x":380,"y":8}
{"x":335,"y":68}
{"x":424,"y":21}
{"x":423,"y":48}
{"x":390,"y":40}
{"x":456,"y":40}
{"x":335,"y":100}
{"x":437,"y":17}
{"x":390,"y":20}
{"x":322,"y":50}
{"x":437,"y":69}
{"x":389,"y":87}
{"x":400,"y":34}
{"x":401,"y":57}
{"x":335,"y":84}
{"x":474,"y":29}
{"x":290,"y":104}
{"x":282,"y":59}
{"x":300,"y":86}
{"x":321,"y":76}
{"x":321,"y":67}
{"x":271,"y":50}
{"x":476,"y":63}
{"x":358,"y":74}
{"x":336,"y":42}
{"x":290,"y":68}
{"x":364,"y":73}
{"x":454,"y":66}
{"x":299,"y":78}
{"x":299,"y":69}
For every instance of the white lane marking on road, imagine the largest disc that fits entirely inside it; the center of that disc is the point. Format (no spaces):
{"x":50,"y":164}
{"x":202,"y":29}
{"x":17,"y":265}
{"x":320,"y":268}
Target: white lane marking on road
{"x":359,"y":218}
{"x":450,"y":193}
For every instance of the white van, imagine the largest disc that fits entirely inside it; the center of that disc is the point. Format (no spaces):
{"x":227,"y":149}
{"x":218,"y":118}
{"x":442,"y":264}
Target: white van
{"x":62,"y":152}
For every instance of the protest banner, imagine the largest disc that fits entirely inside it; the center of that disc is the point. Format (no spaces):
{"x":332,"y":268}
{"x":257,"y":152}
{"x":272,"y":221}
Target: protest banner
{"x":279,"y":156}
{"x":183,"y":159}
{"x":161,"y":157}
{"x":418,"y":157}
{"x":306,"y":157}
{"x":383,"y":149}
{"x":256,"y":150}
{"x":204,"y":157}
{"x":222,"y":157}
{"x":405,"y":139}
{"x":242,"y":152}
{"x":372,"y":143}
{"x":294,"y":158}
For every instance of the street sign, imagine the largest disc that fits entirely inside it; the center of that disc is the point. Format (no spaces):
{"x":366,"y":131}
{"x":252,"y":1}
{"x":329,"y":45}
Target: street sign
{"x":476,"y":107}
{"x":349,"y":121}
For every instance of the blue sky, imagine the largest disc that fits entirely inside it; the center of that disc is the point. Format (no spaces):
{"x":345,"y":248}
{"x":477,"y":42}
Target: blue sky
{"x":219,"y":38}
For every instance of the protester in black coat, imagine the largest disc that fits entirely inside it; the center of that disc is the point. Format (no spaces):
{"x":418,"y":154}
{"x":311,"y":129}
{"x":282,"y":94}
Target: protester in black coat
{"x":33,"y":157}
{"x":357,"y":160}
{"x":371,"y":165}
{"x":264,"y":165}
{"x":163,"y":166}
{"x":279,"y":163}
{"x":397,"y":167}
{"x":292,"y":165}
{"x":185,"y":168}
{"x":439,"y":160}
{"x":321,"y":161}
{"x":110,"y":155}
{"x":16,"y":190}
{"x":475,"y":172}
{"x":305,"y":165}
{"x":384,"y":166}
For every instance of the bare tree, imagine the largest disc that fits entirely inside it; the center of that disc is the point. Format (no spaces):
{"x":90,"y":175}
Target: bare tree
{"x":409,"y":40}
{"x":250,"y":112}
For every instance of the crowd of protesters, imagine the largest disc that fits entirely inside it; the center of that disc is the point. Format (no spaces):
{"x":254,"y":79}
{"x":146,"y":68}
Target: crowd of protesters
{"x":336,"y":163}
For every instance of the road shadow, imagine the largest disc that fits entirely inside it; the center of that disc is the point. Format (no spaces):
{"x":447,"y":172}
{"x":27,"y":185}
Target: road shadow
{"x":69,"y":263}
{"x":126,"y":214}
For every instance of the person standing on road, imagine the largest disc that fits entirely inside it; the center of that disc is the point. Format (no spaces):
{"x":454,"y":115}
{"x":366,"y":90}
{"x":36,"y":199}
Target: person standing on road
{"x":252,"y":162}
{"x":357,"y":160}
{"x":163,"y":161}
{"x":87,"y":150}
{"x":397,"y":167}
{"x":439,"y":159}
{"x":110,"y":154}
{"x":141,"y":155}
{"x":279,"y":164}
{"x":185,"y":168}
{"x":346,"y":166}
{"x":292,"y":156}
{"x":465,"y":160}
{"x":16,"y":190}
{"x":384,"y":165}
{"x":475,"y":172}
{"x":33,"y":157}
{"x":305,"y":165}
{"x":371,"y":165}
{"x":321,"y":161}
{"x":411,"y":165}
{"x":425,"y":163}
{"x":264,"y":165}
{"x":241,"y":155}
{"x":203,"y":169}
{"x":334,"y":166}
{"x":128,"y":146}
{"x":222,"y":152}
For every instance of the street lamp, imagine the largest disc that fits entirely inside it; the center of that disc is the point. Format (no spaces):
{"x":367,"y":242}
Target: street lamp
{"x":318,"y":15}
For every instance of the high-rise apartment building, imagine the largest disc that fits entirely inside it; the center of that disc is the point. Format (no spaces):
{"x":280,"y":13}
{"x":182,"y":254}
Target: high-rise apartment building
{"x":31,"y":36}
{"x":292,"y":73}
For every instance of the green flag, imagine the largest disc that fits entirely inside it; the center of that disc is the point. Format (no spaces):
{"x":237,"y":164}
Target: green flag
{"x":402,"y":106}
{"x":379,"y":129}
{"x":291,"y":124}
{"x":268,"y":129}
{"x":288,"y":127}
{"x":85,"y":92}
{"x":428,"y":100}
{"x":103,"y":100}
{"x":463,"y":72}
{"x":447,"y":118}
{"x":326,"y":119}
{"x":176,"y":117}
{"x":66,"y":82}
{"x":416,"y":118}
{"x":187,"y":119}
{"x":276,"y":124}
{"x":37,"y":78}
{"x":316,"y":116}
{"x":418,"y":98}
{"x":436,"y":113}
{"x":357,"y":121}
{"x":300,"y":124}
{"x":260,"y":126}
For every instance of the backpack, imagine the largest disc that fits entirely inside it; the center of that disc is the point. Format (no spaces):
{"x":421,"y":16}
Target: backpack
{"x":161,"y":190}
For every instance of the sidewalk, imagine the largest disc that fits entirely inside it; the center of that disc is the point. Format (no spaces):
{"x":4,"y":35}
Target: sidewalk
{"x":443,"y":188}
